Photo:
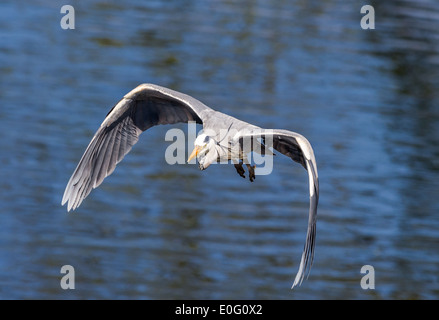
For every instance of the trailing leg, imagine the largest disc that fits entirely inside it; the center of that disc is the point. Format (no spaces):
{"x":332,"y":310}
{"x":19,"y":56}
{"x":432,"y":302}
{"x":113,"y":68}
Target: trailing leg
{"x":240,"y":169}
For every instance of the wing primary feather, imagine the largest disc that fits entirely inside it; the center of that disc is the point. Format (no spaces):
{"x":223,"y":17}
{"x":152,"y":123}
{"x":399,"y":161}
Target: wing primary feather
{"x":308,"y":251}
{"x":114,"y":160}
{"x":298,"y":149}
{"x":143,"y":107}
{"x":104,"y":158}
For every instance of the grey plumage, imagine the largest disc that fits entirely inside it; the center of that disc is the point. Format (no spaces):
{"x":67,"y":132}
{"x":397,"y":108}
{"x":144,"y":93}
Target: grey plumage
{"x":149,"y":105}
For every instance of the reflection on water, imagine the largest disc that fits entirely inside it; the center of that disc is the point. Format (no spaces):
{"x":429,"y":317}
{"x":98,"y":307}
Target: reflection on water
{"x":367,"y":101}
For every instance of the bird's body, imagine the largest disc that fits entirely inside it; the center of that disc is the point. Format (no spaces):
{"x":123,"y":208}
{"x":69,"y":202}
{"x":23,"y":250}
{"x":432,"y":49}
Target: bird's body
{"x":224,"y":138}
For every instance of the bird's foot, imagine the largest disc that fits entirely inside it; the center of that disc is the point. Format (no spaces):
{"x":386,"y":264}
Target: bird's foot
{"x":251,"y":172}
{"x":240,"y":169}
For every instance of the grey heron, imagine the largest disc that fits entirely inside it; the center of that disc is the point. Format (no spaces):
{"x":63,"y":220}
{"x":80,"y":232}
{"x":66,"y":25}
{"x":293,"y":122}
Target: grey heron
{"x":223,"y":138}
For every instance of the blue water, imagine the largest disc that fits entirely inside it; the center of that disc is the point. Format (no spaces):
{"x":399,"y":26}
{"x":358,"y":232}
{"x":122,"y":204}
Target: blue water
{"x":367,"y":100}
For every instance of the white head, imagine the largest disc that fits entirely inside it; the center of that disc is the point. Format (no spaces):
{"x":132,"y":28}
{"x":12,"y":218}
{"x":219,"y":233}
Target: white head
{"x":204,"y":150}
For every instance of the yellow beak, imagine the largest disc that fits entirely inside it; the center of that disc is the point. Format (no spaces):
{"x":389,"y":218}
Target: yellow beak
{"x":194,"y":153}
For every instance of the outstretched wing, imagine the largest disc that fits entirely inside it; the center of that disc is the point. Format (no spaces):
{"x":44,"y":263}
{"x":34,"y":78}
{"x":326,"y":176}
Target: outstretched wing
{"x":299,"y":149}
{"x":145,"y":106}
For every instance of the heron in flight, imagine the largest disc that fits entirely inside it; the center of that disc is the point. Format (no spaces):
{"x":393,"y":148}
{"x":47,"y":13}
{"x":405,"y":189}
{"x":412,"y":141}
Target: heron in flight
{"x":224,"y":138}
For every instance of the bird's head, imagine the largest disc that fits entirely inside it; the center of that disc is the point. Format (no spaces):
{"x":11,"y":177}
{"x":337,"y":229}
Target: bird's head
{"x":204,"y":150}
